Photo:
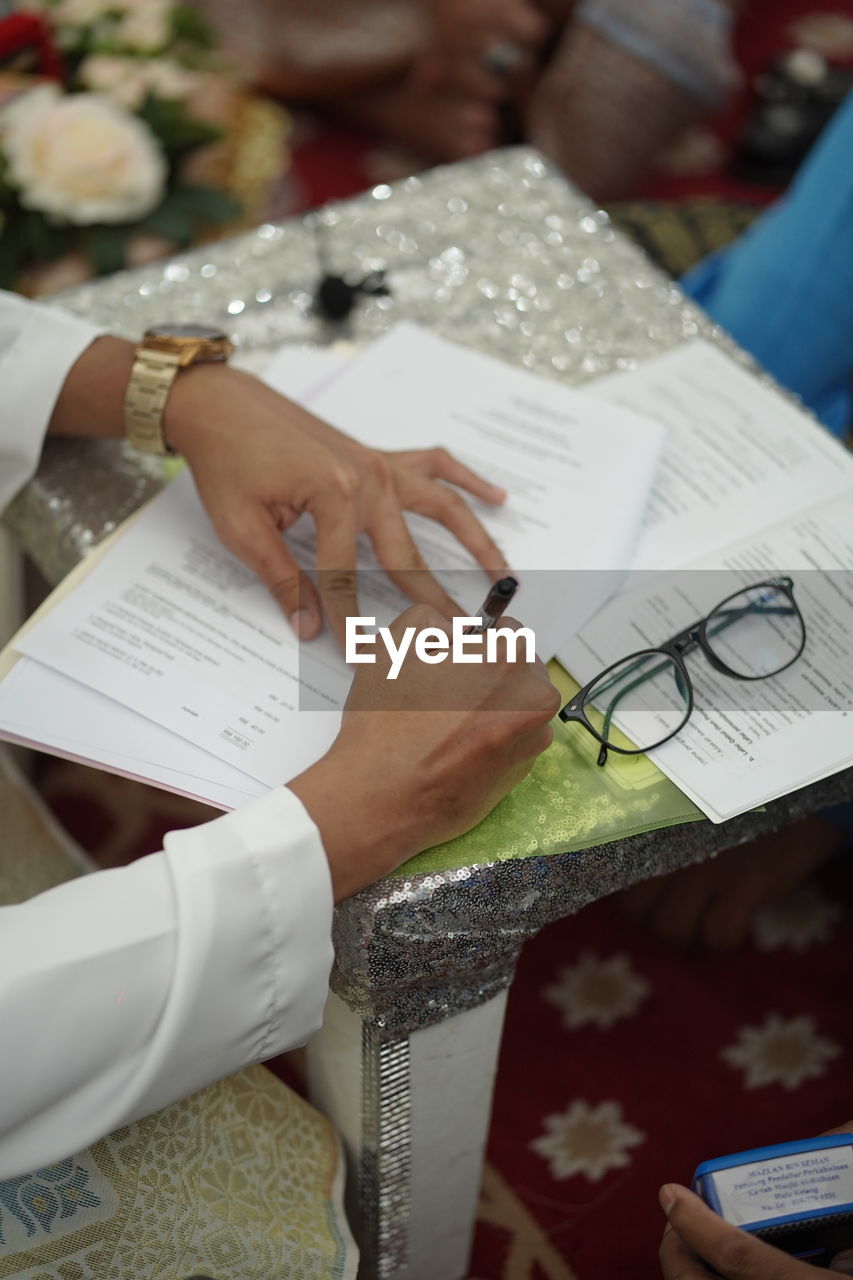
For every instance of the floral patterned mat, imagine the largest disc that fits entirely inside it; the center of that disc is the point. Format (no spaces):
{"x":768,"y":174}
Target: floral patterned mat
{"x":624,"y":1063}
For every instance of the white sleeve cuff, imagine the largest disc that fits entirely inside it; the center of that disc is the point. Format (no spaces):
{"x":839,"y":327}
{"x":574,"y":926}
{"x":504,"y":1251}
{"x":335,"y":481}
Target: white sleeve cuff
{"x":38,"y":346}
{"x":253,"y":915}
{"x":151,"y":981}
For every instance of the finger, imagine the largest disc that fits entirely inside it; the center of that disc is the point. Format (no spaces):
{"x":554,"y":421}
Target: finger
{"x":400,"y":557}
{"x":337,"y":578}
{"x":438,"y":464}
{"x":254,"y":537}
{"x":842,"y":1128}
{"x":677,"y":1262}
{"x":528,"y":746}
{"x":421,"y":616}
{"x":734,"y":1253}
{"x":469,"y":76}
{"x":525,"y":24}
{"x":447,"y":508}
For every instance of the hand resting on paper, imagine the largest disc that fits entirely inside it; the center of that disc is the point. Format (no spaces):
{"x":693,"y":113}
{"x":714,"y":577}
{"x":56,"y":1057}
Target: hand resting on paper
{"x":695,"y":1233}
{"x":259,"y":461}
{"x":400,"y":778}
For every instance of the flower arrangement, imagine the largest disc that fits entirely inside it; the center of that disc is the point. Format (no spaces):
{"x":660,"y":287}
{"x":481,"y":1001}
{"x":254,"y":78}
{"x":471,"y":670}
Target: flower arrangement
{"x":98,"y":157}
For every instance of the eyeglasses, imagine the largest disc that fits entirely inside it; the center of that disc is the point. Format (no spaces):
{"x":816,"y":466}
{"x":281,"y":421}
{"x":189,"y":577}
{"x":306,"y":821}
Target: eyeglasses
{"x":752,"y":634}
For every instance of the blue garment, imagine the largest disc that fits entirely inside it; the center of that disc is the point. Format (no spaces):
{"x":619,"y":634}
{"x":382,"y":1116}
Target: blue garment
{"x":784,"y":289}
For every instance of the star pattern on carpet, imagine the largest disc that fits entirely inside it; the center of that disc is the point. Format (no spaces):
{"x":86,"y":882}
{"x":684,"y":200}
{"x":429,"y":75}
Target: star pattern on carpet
{"x":799,"y":920}
{"x":786,"y":1052}
{"x":597,"y":991}
{"x":587,"y":1140}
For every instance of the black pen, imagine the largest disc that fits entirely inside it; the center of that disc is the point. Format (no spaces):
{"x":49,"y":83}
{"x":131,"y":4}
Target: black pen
{"x":500,"y":594}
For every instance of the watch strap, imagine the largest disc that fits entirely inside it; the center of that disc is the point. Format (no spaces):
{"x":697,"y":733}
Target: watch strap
{"x":148,"y":389}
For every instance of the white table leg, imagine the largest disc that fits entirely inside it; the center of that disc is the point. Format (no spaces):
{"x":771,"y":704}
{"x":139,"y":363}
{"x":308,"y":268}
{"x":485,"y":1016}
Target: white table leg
{"x":413,"y":1113}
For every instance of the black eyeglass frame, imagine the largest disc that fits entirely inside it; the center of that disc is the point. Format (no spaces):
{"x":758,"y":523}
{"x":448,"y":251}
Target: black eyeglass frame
{"x":677,"y":649}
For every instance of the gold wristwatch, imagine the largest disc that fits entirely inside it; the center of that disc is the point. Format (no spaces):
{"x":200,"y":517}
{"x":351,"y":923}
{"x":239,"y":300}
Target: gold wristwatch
{"x":163,"y":351}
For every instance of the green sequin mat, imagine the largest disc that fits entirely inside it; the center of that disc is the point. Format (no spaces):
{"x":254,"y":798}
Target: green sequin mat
{"x":566,"y":803}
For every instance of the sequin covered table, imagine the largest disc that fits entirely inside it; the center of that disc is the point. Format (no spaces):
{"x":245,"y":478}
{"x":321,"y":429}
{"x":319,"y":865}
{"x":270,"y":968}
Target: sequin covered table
{"x":500,"y":254}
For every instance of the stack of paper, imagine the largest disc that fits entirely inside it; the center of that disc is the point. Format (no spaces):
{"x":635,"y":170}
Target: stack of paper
{"x":168,"y":660}
{"x":748,"y":488}
{"x":164,"y":659}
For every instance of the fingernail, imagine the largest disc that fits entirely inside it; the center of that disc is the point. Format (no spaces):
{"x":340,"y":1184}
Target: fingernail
{"x":304,"y":623}
{"x":843,"y":1262}
{"x":666,"y":1195}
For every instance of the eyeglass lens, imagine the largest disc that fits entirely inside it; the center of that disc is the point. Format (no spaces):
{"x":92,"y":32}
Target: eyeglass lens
{"x":648,"y":696}
{"x":757,"y":632}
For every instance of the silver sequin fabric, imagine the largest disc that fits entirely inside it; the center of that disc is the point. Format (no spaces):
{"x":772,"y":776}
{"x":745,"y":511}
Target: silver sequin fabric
{"x":501,"y":255}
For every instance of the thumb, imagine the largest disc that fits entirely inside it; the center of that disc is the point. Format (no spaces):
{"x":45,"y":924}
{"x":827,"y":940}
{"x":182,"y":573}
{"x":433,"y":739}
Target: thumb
{"x":732,"y":1252}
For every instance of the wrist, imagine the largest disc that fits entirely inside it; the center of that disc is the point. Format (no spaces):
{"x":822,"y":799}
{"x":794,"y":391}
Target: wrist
{"x":187,"y":413}
{"x":363,"y":836}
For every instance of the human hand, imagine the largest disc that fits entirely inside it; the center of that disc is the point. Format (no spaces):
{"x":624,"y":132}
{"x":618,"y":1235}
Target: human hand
{"x":695,"y":1235}
{"x":713,"y":903}
{"x":464,"y":31}
{"x":259,"y":461}
{"x":400,"y":777}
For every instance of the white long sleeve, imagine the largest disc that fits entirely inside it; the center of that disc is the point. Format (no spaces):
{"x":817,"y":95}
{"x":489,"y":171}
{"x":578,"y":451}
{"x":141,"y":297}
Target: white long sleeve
{"x":38,"y":346}
{"x":126,"y":990}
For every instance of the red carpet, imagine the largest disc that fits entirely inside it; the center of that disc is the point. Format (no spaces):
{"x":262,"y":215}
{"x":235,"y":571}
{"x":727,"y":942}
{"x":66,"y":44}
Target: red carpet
{"x":624,"y":1063}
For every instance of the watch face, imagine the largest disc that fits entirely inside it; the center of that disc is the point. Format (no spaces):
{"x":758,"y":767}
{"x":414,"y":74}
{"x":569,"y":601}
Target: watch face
{"x":191,"y":331}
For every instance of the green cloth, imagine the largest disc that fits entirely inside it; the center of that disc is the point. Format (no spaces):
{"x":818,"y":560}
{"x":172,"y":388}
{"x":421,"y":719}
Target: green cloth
{"x":566,"y":803}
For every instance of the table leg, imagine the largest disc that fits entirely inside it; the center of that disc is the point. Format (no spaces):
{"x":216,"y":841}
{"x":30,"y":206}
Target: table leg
{"x":413,"y":1112}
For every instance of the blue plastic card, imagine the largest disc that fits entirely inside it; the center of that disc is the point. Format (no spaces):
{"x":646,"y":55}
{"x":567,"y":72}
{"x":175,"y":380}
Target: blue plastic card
{"x":798,"y":1195}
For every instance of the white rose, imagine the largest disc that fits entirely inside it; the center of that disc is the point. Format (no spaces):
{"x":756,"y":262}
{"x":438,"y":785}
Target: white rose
{"x":125,"y":80}
{"x":82,"y":157}
{"x":80,"y":13}
{"x":146,"y":28}
{"x":168,"y":79}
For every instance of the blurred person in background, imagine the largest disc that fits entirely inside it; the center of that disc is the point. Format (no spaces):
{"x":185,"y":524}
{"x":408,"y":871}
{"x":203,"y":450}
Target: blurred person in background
{"x":600,"y":86}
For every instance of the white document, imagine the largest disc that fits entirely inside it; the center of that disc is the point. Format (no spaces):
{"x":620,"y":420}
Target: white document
{"x":738,"y":456}
{"x":578,"y":475}
{"x":48,"y":711}
{"x":300,"y":373}
{"x":748,"y":742}
{"x":171,"y":627}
